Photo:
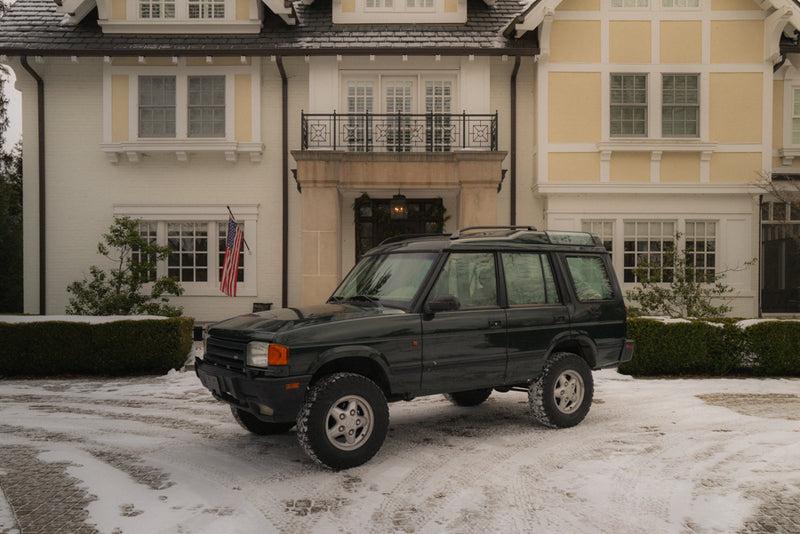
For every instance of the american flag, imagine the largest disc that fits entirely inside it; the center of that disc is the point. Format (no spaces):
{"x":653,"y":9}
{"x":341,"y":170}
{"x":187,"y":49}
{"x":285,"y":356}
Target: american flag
{"x":230,"y":267}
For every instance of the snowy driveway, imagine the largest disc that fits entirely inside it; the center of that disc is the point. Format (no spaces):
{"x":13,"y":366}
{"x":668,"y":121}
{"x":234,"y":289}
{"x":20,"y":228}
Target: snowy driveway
{"x":158,"y":454}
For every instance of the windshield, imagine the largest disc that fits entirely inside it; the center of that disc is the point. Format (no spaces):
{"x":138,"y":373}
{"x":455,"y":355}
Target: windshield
{"x":387,"y":280}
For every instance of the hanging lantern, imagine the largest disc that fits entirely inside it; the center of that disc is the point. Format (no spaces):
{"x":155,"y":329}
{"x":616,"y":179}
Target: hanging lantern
{"x":397,"y":208}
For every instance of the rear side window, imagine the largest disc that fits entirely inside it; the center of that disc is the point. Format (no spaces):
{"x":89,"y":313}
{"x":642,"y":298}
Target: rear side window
{"x":590,"y":278}
{"x":529,"y":279}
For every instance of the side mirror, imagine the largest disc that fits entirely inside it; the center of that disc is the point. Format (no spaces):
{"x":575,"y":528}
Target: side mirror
{"x":442,"y":303}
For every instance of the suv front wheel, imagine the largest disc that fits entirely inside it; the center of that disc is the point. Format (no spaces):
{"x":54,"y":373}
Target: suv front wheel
{"x":562,"y":395}
{"x":344,"y":420}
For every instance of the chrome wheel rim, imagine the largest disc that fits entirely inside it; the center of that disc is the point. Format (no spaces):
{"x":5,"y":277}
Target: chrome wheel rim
{"x":349,"y":422}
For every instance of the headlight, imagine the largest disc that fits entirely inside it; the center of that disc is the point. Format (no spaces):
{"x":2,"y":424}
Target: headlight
{"x":261,"y":354}
{"x":258,"y":354}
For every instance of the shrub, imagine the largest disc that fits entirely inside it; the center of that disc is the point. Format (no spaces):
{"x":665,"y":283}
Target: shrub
{"x":775,"y":348}
{"x":116,"y":348}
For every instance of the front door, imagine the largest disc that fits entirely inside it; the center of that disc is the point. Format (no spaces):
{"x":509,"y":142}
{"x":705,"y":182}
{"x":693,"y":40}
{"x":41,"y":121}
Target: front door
{"x":374,"y":223}
{"x":465,"y":348}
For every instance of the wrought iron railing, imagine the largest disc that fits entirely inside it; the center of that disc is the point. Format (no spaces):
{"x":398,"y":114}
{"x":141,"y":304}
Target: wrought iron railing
{"x":399,"y":132}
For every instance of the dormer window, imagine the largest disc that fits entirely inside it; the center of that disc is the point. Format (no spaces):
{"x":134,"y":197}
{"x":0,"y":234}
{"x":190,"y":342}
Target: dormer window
{"x":181,"y":16}
{"x":157,"y":9}
{"x":399,"y":11}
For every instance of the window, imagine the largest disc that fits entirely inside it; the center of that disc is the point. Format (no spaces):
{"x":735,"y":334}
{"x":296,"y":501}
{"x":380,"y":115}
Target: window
{"x":780,"y":258}
{"x":206,"y":106}
{"x":157,"y":9}
{"x":398,"y":99}
{"x":156,"y":106}
{"x":680,"y":105}
{"x":647,"y":245}
{"x":796,"y":116}
{"x":379,"y":4}
{"x":701,"y":248}
{"x":470,"y":277}
{"x":529,"y":279}
{"x":149,"y":233}
{"x":590,"y":278}
{"x":628,"y":105}
{"x":604,"y":229}
{"x":206,"y":9}
{"x":439,"y":100}
{"x":629,"y":3}
{"x":419,"y":4}
{"x":680,"y":3}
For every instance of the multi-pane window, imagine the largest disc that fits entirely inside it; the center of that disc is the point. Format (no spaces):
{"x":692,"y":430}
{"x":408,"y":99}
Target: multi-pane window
{"x":604,"y":229}
{"x":780,"y":257}
{"x":439,"y":100}
{"x":419,"y":4}
{"x":680,"y":3}
{"x":628,"y":105}
{"x":680,"y":109}
{"x":701,"y":249}
{"x":379,"y":4}
{"x":360,"y":99}
{"x":629,"y":3}
{"x":206,"y":106}
{"x":206,"y":9}
{"x":148,"y":230}
{"x":647,"y":250}
{"x":399,"y":99}
{"x":796,"y":116}
{"x":189,"y":259}
{"x":156,"y":106}
{"x":157,"y":9}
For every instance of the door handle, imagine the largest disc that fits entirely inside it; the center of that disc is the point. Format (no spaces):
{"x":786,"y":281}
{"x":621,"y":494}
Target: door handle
{"x":560,"y":319}
{"x":495,"y":324}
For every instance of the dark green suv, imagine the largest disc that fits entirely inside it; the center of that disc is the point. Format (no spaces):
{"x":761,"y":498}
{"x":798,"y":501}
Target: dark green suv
{"x":483,"y":309}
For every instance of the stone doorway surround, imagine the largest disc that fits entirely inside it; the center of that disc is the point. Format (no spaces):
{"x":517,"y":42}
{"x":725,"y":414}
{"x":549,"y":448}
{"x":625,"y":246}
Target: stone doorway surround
{"x":321,"y":175}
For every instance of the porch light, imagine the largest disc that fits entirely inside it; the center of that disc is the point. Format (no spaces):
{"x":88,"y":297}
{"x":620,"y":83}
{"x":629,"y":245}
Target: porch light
{"x":397,"y":207}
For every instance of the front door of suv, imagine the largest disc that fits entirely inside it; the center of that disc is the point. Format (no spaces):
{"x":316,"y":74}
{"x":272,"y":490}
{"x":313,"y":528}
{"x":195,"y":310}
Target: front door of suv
{"x":465,"y":348}
{"x":536,"y":313}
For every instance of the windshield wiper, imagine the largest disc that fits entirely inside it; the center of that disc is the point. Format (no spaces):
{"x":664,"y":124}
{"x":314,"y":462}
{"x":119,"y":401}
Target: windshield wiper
{"x":361,"y":298}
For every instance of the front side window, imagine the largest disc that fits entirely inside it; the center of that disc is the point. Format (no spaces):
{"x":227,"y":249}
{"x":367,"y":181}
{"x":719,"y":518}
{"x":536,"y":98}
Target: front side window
{"x":628,"y":105}
{"x":590,"y":278}
{"x":206,"y":106}
{"x":529,"y":279}
{"x":471,"y":278}
{"x":680,"y":105}
{"x":157,"y":106}
{"x":648,"y":249}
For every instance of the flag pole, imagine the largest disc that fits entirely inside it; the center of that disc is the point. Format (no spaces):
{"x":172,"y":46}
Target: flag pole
{"x":237,"y":222}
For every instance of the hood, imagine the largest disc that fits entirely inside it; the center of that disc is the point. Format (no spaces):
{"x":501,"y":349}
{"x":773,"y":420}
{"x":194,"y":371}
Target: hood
{"x":265,"y":325}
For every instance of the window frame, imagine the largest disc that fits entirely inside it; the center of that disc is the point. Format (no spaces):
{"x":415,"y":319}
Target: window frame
{"x":632,"y":106}
{"x":664,"y":241}
{"x":181,"y":12}
{"x":215,"y":218}
{"x":683,"y":105}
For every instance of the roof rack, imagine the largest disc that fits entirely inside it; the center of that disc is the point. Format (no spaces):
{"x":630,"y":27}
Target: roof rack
{"x":477,"y":229}
{"x":403,"y":237}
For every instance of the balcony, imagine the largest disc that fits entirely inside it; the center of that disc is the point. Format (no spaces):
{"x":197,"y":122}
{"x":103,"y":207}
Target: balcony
{"x":399,"y":132}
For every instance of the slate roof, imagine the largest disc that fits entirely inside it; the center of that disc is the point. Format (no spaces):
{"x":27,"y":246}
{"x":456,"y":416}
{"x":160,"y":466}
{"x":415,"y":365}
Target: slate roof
{"x":33,"y":28}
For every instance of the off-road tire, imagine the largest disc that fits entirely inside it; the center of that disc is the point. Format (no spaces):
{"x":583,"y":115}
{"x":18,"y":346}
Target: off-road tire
{"x":344,"y":420}
{"x":562,"y":395}
{"x":473,"y":397}
{"x":255,"y":425}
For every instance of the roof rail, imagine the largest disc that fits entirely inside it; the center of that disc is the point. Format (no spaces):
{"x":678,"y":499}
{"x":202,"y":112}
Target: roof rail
{"x":403,"y":237}
{"x":459,"y":233}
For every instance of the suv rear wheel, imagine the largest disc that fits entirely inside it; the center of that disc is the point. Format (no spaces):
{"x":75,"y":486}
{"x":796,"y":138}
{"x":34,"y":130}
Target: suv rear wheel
{"x":344,"y":420}
{"x":562,"y":395}
{"x":472,"y":397}
{"x":255,"y":425}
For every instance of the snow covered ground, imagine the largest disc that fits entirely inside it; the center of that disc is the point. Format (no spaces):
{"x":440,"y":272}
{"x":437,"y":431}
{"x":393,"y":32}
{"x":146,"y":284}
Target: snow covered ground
{"x":158,"y":454}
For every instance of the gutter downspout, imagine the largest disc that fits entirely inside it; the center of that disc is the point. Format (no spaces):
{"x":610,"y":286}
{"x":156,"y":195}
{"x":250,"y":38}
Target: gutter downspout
{"x":284,"y":183}
{"x":513,"y":148}
{"x":42,"y":182}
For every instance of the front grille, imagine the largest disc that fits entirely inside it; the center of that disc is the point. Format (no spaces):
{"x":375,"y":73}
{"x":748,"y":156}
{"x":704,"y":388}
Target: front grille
{"x":227,"y":353}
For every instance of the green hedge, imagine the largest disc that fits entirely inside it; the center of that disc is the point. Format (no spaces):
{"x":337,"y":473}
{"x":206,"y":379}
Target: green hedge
{"x":717,"y":348}
{"x":51,"y":348}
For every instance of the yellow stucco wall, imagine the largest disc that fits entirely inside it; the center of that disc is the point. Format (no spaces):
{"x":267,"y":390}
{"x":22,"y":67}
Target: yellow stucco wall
{"x":575,"y":41}
{"x":348,"y":6}
{"x":629,"y":41}
{"x":574,"y":167}
{"x":242,"y":10}
{"x":735,"y":107}
{"x":574,"y":107}
{"x":733,"y":5}
{"x":681,"y":41}
{"x":118,"y":10}
{"x":579,"y":5}
{"x":244,"y":107}
{"x":737,"y":41}
{"x":119,"y":108}
{"x":148,"y":61}
{"x":777,"y":114}
{"x":450,"y":6}
{"x":680,"y":167}
{"x":740,"y":167}
{"x":630,"y":167}
{"x":217,"y":61}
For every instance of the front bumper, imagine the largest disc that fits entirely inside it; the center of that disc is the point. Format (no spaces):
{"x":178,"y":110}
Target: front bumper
{"x":271,"y":399}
